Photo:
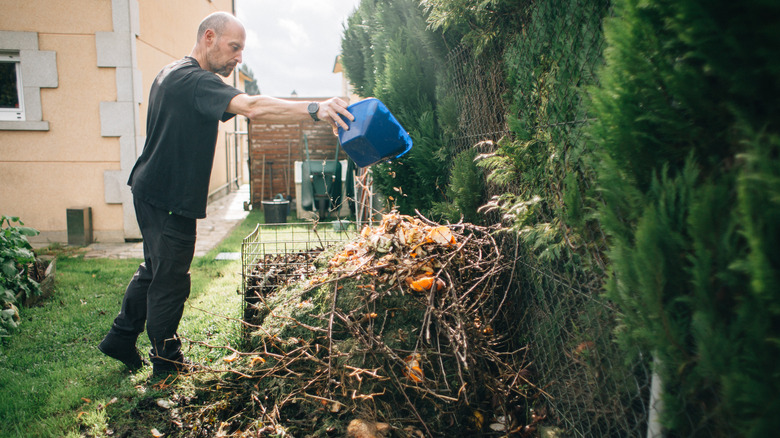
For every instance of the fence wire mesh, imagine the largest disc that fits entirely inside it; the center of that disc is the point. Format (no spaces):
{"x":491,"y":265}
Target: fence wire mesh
{"x":275,"y":255}
{"x":531,"y":93}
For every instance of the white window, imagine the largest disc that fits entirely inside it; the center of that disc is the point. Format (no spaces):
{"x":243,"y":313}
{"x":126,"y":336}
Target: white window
{"x":11,"y":97}
{"x":24,"y":70}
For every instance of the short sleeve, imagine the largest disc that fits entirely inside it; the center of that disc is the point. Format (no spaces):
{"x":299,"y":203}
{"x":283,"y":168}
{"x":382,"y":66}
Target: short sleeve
{"x":212,"y":97}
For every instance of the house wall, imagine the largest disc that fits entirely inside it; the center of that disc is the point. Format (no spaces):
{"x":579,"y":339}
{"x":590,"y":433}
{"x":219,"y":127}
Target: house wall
{"x":87,"y":66}
{"x":346,"y":87}
{"x":43,"y":172}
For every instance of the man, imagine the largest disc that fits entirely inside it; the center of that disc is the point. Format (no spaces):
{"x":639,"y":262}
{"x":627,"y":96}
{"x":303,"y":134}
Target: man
{"x":170,"y":183}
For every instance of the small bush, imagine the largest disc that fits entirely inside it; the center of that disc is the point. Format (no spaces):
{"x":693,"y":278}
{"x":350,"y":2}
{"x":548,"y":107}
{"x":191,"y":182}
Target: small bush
{"x":16,"y":256}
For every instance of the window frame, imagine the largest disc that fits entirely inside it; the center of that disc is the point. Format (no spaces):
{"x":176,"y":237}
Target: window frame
{"x":38,"y":70}
{"x":14,"y":114}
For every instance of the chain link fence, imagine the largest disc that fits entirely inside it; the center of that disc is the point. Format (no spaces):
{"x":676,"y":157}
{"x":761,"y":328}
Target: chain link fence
{"x":589,"y":388}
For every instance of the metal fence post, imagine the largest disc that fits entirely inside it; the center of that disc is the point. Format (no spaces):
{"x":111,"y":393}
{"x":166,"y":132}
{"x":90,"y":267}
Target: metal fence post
{"x":656,"y":405}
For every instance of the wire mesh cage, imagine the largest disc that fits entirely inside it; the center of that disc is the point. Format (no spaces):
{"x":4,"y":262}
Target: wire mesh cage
{"x":275,"y":255}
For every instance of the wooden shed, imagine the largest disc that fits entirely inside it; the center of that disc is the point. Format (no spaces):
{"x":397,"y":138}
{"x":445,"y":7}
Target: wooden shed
{"x":276,"y":154}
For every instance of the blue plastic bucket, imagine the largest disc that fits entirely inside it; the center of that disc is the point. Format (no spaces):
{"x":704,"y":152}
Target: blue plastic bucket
{"x":375,"y":135}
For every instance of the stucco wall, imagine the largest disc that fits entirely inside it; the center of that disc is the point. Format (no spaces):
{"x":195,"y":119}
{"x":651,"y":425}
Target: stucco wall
{"x":106,"y":52}
{"x":42,"y":173}
{"x":61,"y":17}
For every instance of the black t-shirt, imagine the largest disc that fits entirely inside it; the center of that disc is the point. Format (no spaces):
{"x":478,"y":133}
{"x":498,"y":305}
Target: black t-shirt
{"x":186,"y":104}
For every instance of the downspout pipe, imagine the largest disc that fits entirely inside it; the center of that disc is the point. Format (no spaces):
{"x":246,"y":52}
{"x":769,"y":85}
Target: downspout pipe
{"x":235,"y":119}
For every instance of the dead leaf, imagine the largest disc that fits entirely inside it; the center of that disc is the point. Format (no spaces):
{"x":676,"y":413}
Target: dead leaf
{"x":583,"y":347}
{"x":359,"y":428}
{"x":498,"y":427}
{"x":164,"y":403}
{"x":232,"y":358}
{"x":411,"y":431}
{"x":441,"y":235}
{"x":479,"y":419}
{"x":156,"y":433}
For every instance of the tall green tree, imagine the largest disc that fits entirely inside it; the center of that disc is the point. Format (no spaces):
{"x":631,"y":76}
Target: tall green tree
{"x":483,"y":23}
{"x":388,"y":53}
{"x":686,"y":121}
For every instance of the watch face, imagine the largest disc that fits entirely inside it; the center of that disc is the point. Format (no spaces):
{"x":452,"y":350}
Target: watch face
{"x":313,"y":108}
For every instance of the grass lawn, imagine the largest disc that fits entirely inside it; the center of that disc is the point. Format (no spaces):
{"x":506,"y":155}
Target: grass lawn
{"x":55,"y":383}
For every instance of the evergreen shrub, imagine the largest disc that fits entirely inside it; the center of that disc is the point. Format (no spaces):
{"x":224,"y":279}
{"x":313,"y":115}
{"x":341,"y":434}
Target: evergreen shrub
{"x":686,"y":122}
{"x":388,"y":53}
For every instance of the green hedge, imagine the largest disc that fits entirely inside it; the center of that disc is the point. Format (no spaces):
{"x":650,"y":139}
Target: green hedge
{"x":687,"y":129}
{"x":662,"y":132}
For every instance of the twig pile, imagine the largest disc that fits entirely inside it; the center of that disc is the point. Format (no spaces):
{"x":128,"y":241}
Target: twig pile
{"x":410,"y":324}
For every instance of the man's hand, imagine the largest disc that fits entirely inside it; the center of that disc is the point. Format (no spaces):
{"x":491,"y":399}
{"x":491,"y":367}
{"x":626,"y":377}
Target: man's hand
{"x":330,"y":110}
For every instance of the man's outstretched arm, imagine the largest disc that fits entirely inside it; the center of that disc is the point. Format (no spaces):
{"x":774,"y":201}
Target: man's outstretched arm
{"x":272,"y":109}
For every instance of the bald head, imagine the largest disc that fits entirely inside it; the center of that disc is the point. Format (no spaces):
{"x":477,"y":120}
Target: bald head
{"x":220,"y":45}
{"x":218,"y":22}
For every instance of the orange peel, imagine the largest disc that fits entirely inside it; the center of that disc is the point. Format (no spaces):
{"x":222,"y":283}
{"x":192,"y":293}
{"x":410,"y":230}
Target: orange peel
{"x":413,"y":369}
{"x":425,"y":283}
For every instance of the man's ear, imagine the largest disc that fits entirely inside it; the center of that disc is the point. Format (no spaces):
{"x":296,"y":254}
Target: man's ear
{"x":209,"y":37}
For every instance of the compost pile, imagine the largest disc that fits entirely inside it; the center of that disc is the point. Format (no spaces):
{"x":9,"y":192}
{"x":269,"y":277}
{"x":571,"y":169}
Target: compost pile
{"x":406,"y":330}
{"x":275,"y":271}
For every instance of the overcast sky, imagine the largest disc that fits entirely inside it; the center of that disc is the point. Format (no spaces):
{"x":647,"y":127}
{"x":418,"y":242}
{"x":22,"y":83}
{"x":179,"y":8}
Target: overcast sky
{"x":293,"y":44}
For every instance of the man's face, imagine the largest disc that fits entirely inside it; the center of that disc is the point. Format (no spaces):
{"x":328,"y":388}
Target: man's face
{"x":225,"y":52}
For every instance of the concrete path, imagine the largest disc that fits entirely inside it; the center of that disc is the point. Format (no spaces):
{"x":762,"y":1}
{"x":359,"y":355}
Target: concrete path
{"x":222,"y":216}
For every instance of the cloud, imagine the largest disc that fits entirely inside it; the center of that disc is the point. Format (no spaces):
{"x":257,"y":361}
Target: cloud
{"x":252,"y":41}
{"x":296,"y":33}
{"x":292,"y":44}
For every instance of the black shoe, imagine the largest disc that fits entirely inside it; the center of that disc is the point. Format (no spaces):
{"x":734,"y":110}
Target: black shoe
{"x":127,"y":354}
{"x":165,"y":368}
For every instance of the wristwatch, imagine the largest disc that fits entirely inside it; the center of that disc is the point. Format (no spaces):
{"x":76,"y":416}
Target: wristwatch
{"x":313,"y":108}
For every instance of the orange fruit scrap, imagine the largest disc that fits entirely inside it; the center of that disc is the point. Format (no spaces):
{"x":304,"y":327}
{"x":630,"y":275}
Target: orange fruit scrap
{"x":425,"y":283}
{"x":413,"y":369}
{"x":367,"y":317}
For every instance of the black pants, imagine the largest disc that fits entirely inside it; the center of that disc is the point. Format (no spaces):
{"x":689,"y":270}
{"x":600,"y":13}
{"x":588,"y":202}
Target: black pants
{"x":161,"y":285}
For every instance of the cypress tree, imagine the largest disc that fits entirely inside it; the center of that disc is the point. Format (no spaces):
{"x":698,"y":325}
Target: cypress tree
{"x":404,"y":57}
{"x":688,"y":167}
